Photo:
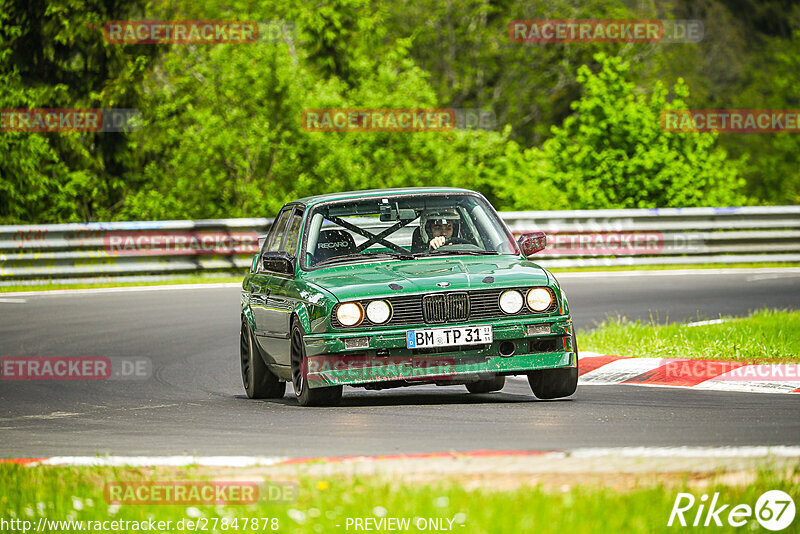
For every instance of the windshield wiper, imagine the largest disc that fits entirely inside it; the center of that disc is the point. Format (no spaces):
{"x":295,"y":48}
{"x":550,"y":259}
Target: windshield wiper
{"x":399,"y":255}
{"x":457,"y":253}
{"x":360,"y":256}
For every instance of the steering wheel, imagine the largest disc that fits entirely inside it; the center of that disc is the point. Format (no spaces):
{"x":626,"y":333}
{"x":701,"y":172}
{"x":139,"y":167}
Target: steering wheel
{"x":454,"y":241}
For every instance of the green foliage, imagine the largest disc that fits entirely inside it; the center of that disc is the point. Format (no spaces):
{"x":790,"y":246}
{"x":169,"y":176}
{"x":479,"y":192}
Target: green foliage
{"x":613,"y":153}
{"x":52,"y":55}
{"x":464,"y":44}
{"x":30,"y":168}
{"x":222,"y":136}
{"x":772,"y":172}
{"x":743,"y":61}
{"x":577,"y":496}
{"x":766,"y":336}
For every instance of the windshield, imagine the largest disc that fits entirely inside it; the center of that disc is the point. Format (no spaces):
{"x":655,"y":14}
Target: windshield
{"x":403,"y":228}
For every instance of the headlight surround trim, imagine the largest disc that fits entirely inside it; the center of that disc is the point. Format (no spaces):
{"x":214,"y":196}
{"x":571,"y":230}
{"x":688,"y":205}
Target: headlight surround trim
{"x":355,"y":314}
{"x":375,"y":305}
{"x":534,"y":299}
{"x":513,"y":300}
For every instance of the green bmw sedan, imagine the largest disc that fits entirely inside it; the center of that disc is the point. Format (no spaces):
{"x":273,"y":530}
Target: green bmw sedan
{"x":401,"y":287}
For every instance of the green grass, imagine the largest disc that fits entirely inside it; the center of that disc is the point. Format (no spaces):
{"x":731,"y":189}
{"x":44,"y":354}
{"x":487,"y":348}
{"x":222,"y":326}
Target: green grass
{"x":191,"y":279}
{"x":323,"y":505}
{"x":766,"y":336}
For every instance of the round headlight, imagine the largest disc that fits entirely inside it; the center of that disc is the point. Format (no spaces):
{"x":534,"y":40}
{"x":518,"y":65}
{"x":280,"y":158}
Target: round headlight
{"x":350,"y":313}
{"x":511,"y":301}
{"x":539,"y":299}
{"x":378,"y":311}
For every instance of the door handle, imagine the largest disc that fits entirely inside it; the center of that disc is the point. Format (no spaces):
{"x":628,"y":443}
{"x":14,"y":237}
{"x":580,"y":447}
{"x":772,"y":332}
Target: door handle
{"x":258,"y":298}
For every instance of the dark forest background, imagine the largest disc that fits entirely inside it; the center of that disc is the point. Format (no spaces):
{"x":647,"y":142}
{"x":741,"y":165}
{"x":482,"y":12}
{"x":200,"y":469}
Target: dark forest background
{"x":220,"y":136}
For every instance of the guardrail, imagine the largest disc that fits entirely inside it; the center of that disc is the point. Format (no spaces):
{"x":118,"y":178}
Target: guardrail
{"x":671,"y":236}
{"x":128,"y":248}
{"x":667,"y":236}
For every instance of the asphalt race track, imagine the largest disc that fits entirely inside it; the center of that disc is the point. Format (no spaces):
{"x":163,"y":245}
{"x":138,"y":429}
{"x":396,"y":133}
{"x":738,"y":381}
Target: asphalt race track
{"x":194,"y":403}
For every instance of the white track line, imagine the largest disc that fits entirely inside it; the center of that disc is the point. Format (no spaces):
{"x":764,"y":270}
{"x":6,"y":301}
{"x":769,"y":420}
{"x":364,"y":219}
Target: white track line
{"x":687,"y":452}
{"x":172,"y":461}
{"x":262,"y":461}
{"x":132,"y":289}
{"x":587,"y":274}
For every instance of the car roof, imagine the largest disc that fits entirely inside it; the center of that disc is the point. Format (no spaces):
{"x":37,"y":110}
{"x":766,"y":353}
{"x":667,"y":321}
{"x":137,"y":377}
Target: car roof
{"x":345,"y":195}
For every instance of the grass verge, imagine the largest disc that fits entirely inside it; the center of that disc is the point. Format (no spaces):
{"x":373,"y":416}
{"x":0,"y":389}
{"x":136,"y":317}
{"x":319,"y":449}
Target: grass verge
{"x":193,"y":279}
{"x":332,"y":505}
{"x":766,"y":336}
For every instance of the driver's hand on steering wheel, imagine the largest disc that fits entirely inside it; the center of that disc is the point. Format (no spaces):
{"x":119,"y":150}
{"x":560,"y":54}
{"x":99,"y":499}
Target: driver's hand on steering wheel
{"x":437,"y":242}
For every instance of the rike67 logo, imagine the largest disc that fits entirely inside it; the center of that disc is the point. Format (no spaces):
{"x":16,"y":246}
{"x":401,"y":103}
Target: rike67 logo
{"x":774,"y":510}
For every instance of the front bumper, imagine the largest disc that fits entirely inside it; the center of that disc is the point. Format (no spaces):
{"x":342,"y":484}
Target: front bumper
{"x":380,"y":356}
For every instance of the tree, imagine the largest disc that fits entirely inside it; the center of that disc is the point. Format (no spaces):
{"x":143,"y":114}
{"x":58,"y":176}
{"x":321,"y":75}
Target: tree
{"x":464,"y":45}
{"x":612,"y":153}
{"x":52,"y":55}
{"x":223,"y":136}
{"x":771,"y":171}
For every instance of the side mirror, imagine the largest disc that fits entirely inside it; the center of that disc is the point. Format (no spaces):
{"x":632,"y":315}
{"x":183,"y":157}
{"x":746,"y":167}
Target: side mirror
{"x":532,"y":242}
{"x":278,"y":262}
{"x":254,"y":264}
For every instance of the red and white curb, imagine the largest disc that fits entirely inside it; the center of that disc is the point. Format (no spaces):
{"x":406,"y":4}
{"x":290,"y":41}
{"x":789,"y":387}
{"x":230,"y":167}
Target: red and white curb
{"x":599,"y":369}
{"x":266,"y":461}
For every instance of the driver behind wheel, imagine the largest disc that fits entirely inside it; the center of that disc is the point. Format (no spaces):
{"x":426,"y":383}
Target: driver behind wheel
{"x":437,"y":227}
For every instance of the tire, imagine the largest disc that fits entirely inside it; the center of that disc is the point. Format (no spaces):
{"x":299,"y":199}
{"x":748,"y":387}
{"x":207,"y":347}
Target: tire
{"x":258,"y":380}
{"x":488,"y":385}
{"x":306,"y":396}
{"x":555,"y":383}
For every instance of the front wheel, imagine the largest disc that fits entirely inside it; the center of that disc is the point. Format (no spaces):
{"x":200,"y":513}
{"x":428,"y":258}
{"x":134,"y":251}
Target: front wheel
{"x":258,"y":380}
{"x":306,"y":396}
{"x":488,"y":385}
{"x":555,"y":383}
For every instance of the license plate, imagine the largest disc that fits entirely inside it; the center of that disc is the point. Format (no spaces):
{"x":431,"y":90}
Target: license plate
{"x":448,"y":337}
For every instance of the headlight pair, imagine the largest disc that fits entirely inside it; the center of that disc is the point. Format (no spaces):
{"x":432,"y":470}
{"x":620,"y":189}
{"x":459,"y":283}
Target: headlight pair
{"x":538,"y":299}
{"x":352,"y":313}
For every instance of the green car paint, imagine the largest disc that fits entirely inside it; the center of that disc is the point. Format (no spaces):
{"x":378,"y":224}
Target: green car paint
{"x":376,"y":356}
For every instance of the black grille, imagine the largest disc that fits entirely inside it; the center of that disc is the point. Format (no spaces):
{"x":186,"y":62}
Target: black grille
{"x":445,"y":307}
{"x":435,"y":309}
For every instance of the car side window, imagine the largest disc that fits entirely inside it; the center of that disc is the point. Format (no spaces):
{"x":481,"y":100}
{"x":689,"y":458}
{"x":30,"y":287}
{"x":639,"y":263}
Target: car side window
{"x":275,"y":238}
{"x":293,"y":234}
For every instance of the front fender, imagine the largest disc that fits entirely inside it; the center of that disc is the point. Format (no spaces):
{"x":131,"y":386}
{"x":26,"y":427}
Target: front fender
{"x":313,"y":307}
{"x":561,"y":294}
{"x":247,"y":313}
{"x":301,"y":312}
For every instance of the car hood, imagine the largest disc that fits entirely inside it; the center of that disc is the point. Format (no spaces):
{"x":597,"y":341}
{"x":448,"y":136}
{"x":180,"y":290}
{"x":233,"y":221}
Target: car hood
{"x":422,"y":276}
